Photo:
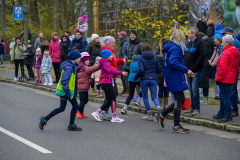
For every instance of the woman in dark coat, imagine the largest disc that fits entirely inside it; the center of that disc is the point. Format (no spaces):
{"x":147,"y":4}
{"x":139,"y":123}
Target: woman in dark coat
{"x":65,"y":42}
{"x":210,"y":32}
{"x":44,"y":45}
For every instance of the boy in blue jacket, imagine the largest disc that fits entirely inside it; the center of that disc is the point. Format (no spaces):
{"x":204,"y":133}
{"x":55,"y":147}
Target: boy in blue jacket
{"x":67,"y":90}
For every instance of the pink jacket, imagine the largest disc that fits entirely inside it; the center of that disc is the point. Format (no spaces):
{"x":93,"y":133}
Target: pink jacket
{"x":83,"y":75}
{"x":107,"y":71}
{"x":54,"y":49}
{"x":39,"y":61}
{"x":83,"y":28}
{"x":4,"y":45}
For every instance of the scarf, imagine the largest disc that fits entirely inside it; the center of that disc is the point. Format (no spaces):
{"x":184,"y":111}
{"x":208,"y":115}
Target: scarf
{"x":182,"y":45}
{"x":37,"y":56}
{"x":44,"y":60}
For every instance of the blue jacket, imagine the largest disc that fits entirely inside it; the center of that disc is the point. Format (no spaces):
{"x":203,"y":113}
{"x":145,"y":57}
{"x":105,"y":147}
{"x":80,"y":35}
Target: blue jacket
{"x":1,"y":48}
{"x":218,"y":34}
{"x":148,"y":67}
{"x":68,"y":68}
{"x":174,"y":68}
{"x":81,"y":46}
{"x":133,"y":69}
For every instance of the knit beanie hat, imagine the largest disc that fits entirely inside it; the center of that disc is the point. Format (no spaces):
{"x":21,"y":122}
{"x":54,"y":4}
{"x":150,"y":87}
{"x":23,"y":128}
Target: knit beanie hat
{"x":82,"y":19}
{"x":17,"y":38}
{"x":84,"y":59}
{"x":74,"y":54}
{"x":123,"y":33}
{"x":98,"y":58}
{"x":29,"y":42}
{"x":108,"y":39}
{"x":133,"y":31}
{"x":94,"y":36}
{"x":38,"y":50}
{"x":218,"y":27}
{"x":106,"y":53}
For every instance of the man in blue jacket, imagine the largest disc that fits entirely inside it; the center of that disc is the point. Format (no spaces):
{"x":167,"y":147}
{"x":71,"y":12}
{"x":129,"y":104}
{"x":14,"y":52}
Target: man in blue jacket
{"x":78,"y":43}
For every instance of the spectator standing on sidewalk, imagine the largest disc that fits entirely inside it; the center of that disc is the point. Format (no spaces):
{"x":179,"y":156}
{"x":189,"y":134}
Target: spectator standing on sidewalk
{"x":22,"y":36}
{"x":82,"y":25}
{"x":227,"y":73}
{"x":44,"y":45}
{"x":123,"y":40}
{"x":1,"y":54}
{"x":11,"y":45}
{"x":65,"y":43}
{"x":202,"y":25}
{"x":4,"y":54}
{"x":210,"y":32}
{"x":70,"y":35}
{"x":29,"y":59}
{"x":78,"y":43}
{"x":194,"y":57}
{"x":38,"y":41}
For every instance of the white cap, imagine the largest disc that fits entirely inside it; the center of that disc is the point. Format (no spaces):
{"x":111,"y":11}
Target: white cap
{"x":94,"y":36}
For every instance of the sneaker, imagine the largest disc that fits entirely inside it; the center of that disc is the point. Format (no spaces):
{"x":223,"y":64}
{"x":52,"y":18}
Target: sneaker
{"x":50,"y":84}
{"x":2,"y":66}
{"x":160,"y":120}
{"x":124,"y":111}
{"x":218,"y":116}
{"x":135,"y":100}
{"x":96,"y":116}
{"x":45,"y":84}
{"x":79,"y":115}
{"x":148,"y":118}
{"x":40,"y":81}
{"x":42,"y":123}
{"x":225,"y":119}
{"x":138,"y":104}
{"x":105,"y":115}
{"x":188,"y":111}
{"x":196,"y":113}
{"x":123,"y":92}
{"x":37,"y":82}
{"x":117,"y":119}
{"x":74,"y":128}
{"x":15,"y":79}
{"x":204,"y":100}
{"x":180,"y":129}
{"x":84,"y":115}
{"x":56,"y":81}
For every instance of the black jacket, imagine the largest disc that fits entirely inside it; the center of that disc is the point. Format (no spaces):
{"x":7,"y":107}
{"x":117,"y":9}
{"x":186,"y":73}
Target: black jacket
{"x":30,"y":53}
{"x":195,"y":55}
{"x":209,"y":42}
{"x":123,"y":41}
{"x":63,"y":49}
{"x":93,"y":52}
{"x":131,"y":48}
{"x":201,"y":26}
{"x":43,"y":48}
{"x":210,"y":30}
{"x":22,"y":37}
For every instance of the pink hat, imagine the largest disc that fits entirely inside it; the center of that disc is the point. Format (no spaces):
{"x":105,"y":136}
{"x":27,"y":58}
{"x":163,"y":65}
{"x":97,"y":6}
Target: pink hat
{"x":123,"y":34}
{"x":38,"y":50}
{"x":82,"y":19}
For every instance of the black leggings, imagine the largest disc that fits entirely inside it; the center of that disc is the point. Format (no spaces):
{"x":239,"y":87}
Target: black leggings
{"x":56,"y":66}
{"x":110,"y":97}
{"x":132,"y":87}
{"x":17,"y":62}
{"x":30,"y":70}
{"x":179,"y":100}
{"x":98,"y":87}
{"x":83,"y":96}
{"x":92,"y":80}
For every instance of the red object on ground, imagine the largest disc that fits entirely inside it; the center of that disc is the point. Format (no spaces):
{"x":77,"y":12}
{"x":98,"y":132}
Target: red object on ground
{"x":187,"y":104}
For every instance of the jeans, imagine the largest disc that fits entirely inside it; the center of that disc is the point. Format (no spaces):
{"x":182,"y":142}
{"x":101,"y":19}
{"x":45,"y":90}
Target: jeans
{"x":115,"y":90}
{"x":63,"y":104}
{"x":194,"y":84}
{"x":83,"y":97}
{"x":1,"y":59}
{"x":125,"y":83}
{"x":216,"y":87}
{"x":234,"y":97}
{"x":162,"y":91}
{"x":152,"y":85}
{"x":225,"y":102}
{"x":4,"y":57}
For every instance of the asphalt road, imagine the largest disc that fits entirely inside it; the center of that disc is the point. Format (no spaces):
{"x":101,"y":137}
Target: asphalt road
{"x":135,"y":139}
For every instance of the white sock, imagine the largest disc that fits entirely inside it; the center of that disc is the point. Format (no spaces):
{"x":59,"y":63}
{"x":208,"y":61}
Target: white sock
{"x":125,"y":107}
{"x":139,"y":99}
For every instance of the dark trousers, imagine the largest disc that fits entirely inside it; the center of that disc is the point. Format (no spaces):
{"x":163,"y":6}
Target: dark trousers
{"x":17,"y":62}
{"x":176,"y":106}
{"x":63,"y":104}
{"x":83,"y":97}
{"x":115,"y":91}
{"x":125,"y":83}
{"x":92,"y":82}
{"x":56,"y":66}
{"x":30,"y":70}
{"x":110,"y":98}
{"x":98,"y":87}
{"x":132,"y":87}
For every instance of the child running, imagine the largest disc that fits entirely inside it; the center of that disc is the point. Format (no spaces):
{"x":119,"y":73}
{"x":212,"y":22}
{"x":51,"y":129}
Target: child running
{"x":67,"y":90}
{"x":37,"y":65}
{"x":46,"y":68}
{"x":83,"y":82}
{"x":96,"y":77}
{"x":108,"y":75}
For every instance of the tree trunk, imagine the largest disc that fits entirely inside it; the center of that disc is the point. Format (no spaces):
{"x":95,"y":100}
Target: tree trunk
{"x":3,"y":16}
{"x":20,"y":3}
{"x":90,"y":17}
{"x":55,"y":16}
{"x":34,"y":12}
{"x":67,"y":17}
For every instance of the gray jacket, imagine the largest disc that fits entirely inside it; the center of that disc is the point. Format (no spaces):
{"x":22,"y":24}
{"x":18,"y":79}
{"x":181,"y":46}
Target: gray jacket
{"x":46,"y":64}
{"x":123,"y":41}
{"x":37,"y":43}
{"x":131,"y":48}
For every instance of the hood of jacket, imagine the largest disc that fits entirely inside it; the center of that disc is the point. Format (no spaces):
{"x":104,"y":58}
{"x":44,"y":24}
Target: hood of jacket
{"x":106,"y":47}
{"x":135,"y":41}
{"x":147,"y":55}
{"x":218,"y":31}
{"x":102,"y":61}
{"x":67,"y":41}
{"x":123,"y":40}
{"x":81,"y":66}
{"x":68,"y":63}
{"x":167,"y":46}
{"x":210,"y":40}
{"x":233,"y":50}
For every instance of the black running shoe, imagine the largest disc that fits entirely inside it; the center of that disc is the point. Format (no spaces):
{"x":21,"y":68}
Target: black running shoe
{"x":74,"y":128}
{"x":187,"y":130}
{"x":42,"y":123}
{"x":180,"y":129}
{"x":160,"y":120}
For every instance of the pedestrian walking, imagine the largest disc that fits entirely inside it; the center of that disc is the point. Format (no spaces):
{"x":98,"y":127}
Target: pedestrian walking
{"x":148,"y":67}
{"x":37,"y":65}
{"x":29,"y":60}
{"x":227,"y":73}
{"x":46,"y":68}
{"x":4,"y":54}
{"x":175,"y":79}
{"x":67,"y":91}
{"x":65,"y":43}
{"x":84,"y":72}
{"x":108,"y":75}
{"x":82,"y":25}
{"x":54,"y":49}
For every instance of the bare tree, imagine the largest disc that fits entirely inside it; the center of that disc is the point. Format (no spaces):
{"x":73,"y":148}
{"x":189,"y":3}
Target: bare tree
{"x":90,"y":17}
{"x":3,"y":16}
{"x":56,"y":16}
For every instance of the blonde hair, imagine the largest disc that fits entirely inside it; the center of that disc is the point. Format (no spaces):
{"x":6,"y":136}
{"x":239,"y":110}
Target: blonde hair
{"x":177,"y":35}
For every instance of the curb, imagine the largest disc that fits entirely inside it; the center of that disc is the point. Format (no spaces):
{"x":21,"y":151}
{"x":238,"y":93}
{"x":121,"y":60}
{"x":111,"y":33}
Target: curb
{"x":185,"y":119}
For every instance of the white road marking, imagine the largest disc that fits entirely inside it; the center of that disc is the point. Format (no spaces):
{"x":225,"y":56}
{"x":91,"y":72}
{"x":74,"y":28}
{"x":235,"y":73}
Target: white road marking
{"x":37,"y":147}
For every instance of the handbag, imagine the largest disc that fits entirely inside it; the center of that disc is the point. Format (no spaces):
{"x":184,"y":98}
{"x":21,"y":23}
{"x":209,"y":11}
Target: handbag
{"x":187,"y":104}
{"x":213,"y":61}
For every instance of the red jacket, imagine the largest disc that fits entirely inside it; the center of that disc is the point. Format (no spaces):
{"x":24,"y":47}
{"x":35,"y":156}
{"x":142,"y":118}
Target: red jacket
{"x":228,"y":65}
{"x":4,"y":45}
{"x":54,"y":49}
{"x":114,"y":62}
{"x":83,"y":75}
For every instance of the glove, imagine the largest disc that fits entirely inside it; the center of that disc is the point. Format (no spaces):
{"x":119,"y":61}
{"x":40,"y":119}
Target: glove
{"x":67,"y":94}
{"x":75,"y":48}
{"x":218,"y":83}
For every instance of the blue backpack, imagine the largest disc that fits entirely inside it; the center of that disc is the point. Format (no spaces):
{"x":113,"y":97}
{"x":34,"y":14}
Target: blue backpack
{"x":1,"y":48}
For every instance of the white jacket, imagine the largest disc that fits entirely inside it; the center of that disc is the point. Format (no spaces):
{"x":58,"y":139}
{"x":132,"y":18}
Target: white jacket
{"x":11,"y":46}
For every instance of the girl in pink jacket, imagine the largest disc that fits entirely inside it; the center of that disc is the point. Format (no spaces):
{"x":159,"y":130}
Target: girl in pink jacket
{"x":82,"y":25}
{"x":54,"y":49}
{"x":83,"y":76}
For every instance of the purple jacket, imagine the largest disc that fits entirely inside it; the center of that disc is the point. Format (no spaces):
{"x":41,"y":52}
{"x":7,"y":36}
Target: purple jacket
{"x":107,"y":71}
{"x":39,"y":61}
{"x":83,"y":28}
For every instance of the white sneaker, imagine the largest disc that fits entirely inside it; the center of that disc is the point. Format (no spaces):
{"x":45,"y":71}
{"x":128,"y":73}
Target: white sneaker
{"x":45,"y":84}
{"x":50,"y":84}
{"x":2,"y":66}
{"x":117,"y":119}
{"x":124,"y":111}
{"x":15,"y":79}
{"x":96,"y":116}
